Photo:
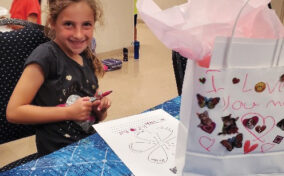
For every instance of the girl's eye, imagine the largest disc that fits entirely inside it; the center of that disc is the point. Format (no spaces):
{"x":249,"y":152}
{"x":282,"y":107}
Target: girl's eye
{"x":68,"y":24}
{"x":87,"y":24}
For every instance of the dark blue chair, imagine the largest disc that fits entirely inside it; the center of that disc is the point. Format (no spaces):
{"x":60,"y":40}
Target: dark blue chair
{"x":15,"y":47}
{"x":179,"y":64}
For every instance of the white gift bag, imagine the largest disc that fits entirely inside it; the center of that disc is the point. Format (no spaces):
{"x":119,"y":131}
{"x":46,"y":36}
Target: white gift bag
{"x":234,"y":117}
{"x":232,"y":113}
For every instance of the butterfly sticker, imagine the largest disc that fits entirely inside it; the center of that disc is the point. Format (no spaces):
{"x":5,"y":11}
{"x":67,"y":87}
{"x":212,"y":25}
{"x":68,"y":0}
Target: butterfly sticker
{"x":236,"y":141}
{"x":157,"y":144}
{"x":209,"y":102}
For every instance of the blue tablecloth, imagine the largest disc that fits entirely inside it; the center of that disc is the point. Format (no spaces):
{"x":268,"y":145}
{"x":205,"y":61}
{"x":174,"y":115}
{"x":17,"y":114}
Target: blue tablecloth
{"x":88,"y":157}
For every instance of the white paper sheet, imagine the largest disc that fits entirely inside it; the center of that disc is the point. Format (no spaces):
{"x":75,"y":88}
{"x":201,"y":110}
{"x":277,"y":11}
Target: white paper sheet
{"x":146,"y":142}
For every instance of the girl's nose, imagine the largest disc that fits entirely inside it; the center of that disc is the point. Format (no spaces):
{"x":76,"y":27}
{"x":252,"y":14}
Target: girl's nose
{"x":78,"y":33}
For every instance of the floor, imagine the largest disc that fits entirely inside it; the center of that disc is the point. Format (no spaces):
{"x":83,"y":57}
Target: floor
{"x":140,"y":84}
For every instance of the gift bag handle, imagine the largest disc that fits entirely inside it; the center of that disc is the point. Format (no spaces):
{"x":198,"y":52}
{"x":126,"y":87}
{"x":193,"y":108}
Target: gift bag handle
{"x":277,"y":49}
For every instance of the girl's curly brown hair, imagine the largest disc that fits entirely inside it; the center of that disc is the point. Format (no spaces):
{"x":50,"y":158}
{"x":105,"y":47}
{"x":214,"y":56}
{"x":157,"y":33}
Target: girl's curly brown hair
{"x":55,"y":7}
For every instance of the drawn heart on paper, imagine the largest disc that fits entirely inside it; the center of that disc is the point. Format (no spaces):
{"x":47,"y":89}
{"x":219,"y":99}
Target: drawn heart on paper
{"x":267,"y":121}
{"x":260,"y":129}
{"x":208,"y":128}
{"x":206,"y":142}
{"x":266,"y":147}
{"x":248,"y":148}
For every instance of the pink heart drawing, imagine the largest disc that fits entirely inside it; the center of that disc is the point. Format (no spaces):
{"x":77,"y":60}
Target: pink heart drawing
{"x":266,"y":147}
{"x":267,"y":121}
{"x":206,"y":142}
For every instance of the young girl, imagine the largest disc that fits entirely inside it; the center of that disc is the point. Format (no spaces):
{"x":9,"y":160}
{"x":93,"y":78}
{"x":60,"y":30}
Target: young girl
{"x":58,"y":71}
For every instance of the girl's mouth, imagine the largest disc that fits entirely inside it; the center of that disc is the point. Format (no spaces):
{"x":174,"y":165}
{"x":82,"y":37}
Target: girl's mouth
{"x":77,"y":44}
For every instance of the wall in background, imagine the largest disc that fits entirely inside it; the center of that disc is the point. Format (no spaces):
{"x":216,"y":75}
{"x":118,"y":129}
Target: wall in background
{"x":164,"y":4}
{"x":6,"y":3}
{"x":117,"y":31}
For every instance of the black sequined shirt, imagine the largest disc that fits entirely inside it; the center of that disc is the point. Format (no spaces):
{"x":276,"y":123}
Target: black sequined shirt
{"x":63,"y":77}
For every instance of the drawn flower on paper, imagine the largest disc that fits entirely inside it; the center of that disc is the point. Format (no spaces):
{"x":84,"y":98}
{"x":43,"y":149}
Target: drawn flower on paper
{"x":157,"y":144}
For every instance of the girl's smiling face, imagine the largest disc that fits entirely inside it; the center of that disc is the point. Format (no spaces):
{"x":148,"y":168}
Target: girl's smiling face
{"x":74,"y":28}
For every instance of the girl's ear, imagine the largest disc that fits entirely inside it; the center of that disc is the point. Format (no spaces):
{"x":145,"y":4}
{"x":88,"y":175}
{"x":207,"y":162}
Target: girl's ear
{"x":52,"y":25}
{"x":50,"y":22}
{"x":50,"y":32}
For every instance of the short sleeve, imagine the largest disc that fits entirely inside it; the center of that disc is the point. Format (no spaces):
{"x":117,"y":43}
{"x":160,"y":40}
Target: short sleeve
{"x":42,"y":56}
{"x":33,"y":6}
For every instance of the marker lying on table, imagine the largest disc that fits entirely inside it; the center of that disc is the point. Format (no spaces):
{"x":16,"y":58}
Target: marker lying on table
{"x":100,"y":96}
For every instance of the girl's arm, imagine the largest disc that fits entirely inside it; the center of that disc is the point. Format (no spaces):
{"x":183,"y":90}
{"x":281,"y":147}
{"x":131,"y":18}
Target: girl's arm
{"x":32,"y":17}
{"x":20,"y":110}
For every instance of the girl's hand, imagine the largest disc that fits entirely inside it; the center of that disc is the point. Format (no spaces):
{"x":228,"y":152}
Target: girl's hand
{"x":100,"y":108}
{"x":80,"y":110}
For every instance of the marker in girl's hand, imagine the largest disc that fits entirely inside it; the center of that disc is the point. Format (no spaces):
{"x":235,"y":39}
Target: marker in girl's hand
{"x":100,"y":96}
{"x":106,"y":93}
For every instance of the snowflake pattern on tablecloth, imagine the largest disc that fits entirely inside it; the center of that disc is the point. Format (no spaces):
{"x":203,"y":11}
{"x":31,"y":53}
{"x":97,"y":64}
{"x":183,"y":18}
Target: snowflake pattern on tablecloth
{"x":88,"y":157}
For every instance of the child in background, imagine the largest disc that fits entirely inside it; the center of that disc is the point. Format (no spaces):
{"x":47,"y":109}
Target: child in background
{"x":58,"y":70}
{"x":26,"y":10}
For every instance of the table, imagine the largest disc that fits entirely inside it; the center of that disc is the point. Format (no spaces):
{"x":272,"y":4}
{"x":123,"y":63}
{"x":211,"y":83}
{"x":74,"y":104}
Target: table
{"x":90,"y":156}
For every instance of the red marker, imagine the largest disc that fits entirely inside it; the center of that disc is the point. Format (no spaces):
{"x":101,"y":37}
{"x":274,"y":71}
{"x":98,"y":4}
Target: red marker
{"x":100,"y":96}
{"x":106,"y":93}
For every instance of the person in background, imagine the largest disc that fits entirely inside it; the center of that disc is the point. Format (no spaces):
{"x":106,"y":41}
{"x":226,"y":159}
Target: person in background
{"x":60,"y":77}
{"x":26,"y":10}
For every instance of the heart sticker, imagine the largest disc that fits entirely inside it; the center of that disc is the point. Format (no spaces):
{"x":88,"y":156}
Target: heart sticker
{"x":202,"y":80}
{"x":236,"y":80}
{"x":260,"y":129}
{"x":208,"y":128}
{"x":248,"y":148}
{"x":250,"y":122}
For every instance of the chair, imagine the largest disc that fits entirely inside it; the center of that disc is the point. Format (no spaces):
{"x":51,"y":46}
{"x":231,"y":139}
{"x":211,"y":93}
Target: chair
{"x":179,"y":64}
{"x":15,"y":47}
